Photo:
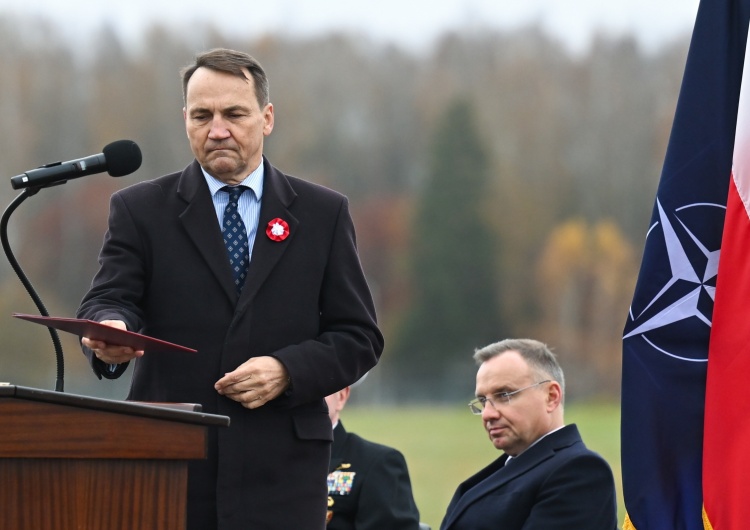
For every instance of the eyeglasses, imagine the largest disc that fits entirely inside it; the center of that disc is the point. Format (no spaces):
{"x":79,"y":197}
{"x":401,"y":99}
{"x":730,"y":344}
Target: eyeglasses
{"x":500,"y":399}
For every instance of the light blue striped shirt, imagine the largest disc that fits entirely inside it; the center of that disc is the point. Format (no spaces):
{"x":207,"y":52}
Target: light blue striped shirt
{"x":248,"y":206}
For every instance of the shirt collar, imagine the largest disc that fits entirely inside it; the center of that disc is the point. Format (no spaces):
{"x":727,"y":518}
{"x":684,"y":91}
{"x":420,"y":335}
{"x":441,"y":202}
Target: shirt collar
{"x":254,"y":181}
{"x":533,"y":444}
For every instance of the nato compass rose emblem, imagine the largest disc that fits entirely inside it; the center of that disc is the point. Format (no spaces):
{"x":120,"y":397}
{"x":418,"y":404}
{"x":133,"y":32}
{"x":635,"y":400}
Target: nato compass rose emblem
{"x":673,"y":304}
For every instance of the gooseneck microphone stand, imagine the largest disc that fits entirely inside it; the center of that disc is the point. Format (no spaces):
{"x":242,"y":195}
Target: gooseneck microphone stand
{"x":26,"y":193}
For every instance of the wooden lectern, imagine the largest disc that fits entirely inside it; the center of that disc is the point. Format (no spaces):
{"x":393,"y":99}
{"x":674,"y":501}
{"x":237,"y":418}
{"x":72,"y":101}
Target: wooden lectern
{"x":83,"y":463}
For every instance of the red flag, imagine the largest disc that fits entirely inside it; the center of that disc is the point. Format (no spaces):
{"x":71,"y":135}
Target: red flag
{"x":726,"y":458}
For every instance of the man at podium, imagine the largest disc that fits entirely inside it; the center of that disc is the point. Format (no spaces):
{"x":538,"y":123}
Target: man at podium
{"x":273,"y":338}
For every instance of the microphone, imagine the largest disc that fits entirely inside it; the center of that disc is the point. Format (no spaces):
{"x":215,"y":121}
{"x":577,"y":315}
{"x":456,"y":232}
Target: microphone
{"x":118,"y":159}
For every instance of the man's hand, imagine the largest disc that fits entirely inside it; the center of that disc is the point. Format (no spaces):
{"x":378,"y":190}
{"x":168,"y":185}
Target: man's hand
{"x":111,"y":353}
{"x":255,"y":382}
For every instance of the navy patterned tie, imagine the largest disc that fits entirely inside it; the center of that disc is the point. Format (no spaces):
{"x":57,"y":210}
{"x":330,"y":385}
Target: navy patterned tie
{"x":235,"y":236}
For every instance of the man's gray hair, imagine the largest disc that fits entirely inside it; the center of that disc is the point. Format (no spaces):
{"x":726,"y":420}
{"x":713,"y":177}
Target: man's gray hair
{"x":537,"y":355}
{"x":230,"y":62}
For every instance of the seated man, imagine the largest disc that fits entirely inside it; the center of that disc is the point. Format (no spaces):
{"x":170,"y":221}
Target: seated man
{"x":546,"y":479}
{"x":368,"y":484}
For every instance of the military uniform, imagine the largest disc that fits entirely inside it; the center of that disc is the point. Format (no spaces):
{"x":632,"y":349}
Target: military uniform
{"x":368,"y":486}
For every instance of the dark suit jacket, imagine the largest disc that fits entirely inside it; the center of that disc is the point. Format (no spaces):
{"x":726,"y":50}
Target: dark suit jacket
{"x":369,"y":486}
{"x":164,"y":271}
{"x":555,"y":484}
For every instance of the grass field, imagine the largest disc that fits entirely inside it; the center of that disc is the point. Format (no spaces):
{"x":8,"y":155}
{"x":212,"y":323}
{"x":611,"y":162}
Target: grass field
{"x":445,"y":445}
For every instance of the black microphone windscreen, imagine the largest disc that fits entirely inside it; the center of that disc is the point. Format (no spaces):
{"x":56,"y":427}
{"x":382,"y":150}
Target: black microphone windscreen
{"x":123,"y":157}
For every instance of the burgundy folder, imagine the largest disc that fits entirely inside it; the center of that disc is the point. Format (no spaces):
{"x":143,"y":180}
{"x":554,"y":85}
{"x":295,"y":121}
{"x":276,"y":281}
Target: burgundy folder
{"x":108,"y":334}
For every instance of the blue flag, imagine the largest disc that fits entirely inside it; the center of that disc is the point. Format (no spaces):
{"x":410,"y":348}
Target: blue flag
{"x":666,"y":337}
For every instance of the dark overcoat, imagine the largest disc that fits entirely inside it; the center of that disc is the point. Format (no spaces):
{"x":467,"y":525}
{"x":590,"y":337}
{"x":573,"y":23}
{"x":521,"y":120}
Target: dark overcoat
{"x":164,"y":271}
{"x":556,"y":484}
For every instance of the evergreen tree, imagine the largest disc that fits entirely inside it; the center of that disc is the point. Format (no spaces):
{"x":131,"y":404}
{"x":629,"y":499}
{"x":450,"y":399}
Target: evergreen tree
{"x":454,"y":306}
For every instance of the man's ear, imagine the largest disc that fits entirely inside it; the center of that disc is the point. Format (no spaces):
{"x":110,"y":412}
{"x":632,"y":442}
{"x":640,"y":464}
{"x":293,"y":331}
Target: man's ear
{"x":344,"y":395}
{"x":268,"y":119}
{"x":554,"y":396}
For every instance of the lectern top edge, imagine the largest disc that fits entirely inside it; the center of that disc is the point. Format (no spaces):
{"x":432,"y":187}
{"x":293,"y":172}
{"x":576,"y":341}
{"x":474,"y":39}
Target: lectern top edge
{"x":111,"y":405}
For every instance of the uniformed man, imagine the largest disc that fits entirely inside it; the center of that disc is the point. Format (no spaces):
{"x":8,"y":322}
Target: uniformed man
{"x":368,"y":483}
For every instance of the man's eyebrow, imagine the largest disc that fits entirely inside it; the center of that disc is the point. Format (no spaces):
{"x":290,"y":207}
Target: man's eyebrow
{"x":234,"y":108}
{"x":193,"y":110}
{"x":503,"y":389}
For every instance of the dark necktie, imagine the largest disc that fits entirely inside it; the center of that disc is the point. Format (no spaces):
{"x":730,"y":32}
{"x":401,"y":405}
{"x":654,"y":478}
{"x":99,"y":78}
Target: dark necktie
{"x":235,"y":236}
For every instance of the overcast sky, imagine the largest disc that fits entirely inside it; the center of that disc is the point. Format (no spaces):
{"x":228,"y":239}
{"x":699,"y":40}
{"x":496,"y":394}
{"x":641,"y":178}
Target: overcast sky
{"x":412,"y":23}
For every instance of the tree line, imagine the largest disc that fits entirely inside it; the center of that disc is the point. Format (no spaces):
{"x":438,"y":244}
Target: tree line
{"x":501,"y":185}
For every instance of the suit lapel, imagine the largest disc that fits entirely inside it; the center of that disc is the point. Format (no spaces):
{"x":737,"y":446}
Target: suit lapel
{"x":199,"y":220}
{"x":476,"y":487}
{"x":278,"y":195}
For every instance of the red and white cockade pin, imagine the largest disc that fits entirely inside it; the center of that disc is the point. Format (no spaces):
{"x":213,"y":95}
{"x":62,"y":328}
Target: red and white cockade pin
{"x":277,"y":229}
